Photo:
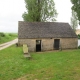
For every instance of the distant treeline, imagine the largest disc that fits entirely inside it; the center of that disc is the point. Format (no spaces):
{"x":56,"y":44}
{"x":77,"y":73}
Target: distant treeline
{"x":9,"y":34}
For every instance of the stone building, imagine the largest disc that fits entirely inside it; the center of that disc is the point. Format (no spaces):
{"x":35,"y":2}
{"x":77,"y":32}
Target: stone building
{"x":45,"y":36}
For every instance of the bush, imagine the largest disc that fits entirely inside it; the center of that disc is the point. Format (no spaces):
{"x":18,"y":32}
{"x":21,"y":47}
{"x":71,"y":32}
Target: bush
{"x":78,"y":36}
{"x":2,"y":34}
{"x":79,"y":47}
{"x":10,"y":34}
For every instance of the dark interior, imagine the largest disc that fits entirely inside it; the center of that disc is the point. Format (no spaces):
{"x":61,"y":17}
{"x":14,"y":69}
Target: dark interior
{"x":38,"y":45}
{"x":56,"y":44}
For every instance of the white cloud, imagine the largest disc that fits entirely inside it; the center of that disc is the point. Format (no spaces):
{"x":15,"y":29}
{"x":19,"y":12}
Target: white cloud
{"x":11,"y":7}
{"x":64,"y":9}
{"x":10,"y":13}
{"x":8,"y":29}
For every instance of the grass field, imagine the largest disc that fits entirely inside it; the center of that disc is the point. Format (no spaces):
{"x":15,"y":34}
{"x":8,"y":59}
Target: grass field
{"x":7,"y":37}
{"x":57,"y":65}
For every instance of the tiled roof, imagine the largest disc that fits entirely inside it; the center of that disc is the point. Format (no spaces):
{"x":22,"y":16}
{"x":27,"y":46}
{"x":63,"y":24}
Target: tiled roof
{"x":45,"y":30}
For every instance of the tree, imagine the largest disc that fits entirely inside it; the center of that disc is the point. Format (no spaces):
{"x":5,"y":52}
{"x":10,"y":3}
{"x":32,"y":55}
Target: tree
{"x":76,"y":8}
{"x":40,"y":11}
{"x":74,"y":20}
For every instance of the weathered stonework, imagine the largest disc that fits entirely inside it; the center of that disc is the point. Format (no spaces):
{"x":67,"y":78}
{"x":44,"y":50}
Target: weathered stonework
{"x":48,"y":44}
{"x":69,"y":43}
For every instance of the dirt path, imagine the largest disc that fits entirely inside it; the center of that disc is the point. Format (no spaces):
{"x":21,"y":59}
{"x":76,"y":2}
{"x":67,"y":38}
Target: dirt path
{"x":7,"y":44}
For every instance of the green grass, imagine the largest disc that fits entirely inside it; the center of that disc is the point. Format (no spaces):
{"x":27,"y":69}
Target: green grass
{"x":7,"y":37}
{"x":57,"y":65}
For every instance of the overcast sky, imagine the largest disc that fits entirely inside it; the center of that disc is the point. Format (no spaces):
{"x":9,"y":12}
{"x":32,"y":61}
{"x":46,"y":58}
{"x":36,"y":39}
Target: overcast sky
{"x":11,"y":12}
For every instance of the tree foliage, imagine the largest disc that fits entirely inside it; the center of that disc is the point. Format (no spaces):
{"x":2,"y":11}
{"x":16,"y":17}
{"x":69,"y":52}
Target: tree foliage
{"x":74,"y":20}
{"x":40,"y":11}
{"x":76,"y":7}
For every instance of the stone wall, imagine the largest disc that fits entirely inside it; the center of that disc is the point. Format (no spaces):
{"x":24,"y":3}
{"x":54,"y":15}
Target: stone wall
{"x":31,"y":43}
{"x":69,"y":43}
{"x":48,"y":44}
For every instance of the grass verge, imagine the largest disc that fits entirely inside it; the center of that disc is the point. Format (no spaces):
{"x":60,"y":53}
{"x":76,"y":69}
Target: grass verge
{"x":60,"y":65}
{"x":5,"y":37}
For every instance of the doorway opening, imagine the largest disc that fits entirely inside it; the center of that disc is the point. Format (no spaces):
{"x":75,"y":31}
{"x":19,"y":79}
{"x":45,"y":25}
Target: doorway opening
{"x":38,"y":45}
{"x":56,"y":44}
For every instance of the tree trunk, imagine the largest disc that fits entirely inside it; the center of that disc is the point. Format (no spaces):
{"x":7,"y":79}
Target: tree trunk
{"x":39,"y":11}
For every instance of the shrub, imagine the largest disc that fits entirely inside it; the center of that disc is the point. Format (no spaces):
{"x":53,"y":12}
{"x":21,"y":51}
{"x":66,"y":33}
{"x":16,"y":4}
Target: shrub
{"x":13,"y":35}
{"x":10,"y":34}
{"x":78,"y":36}
{"x":2,"y":34}
{"x":79,"y":47}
